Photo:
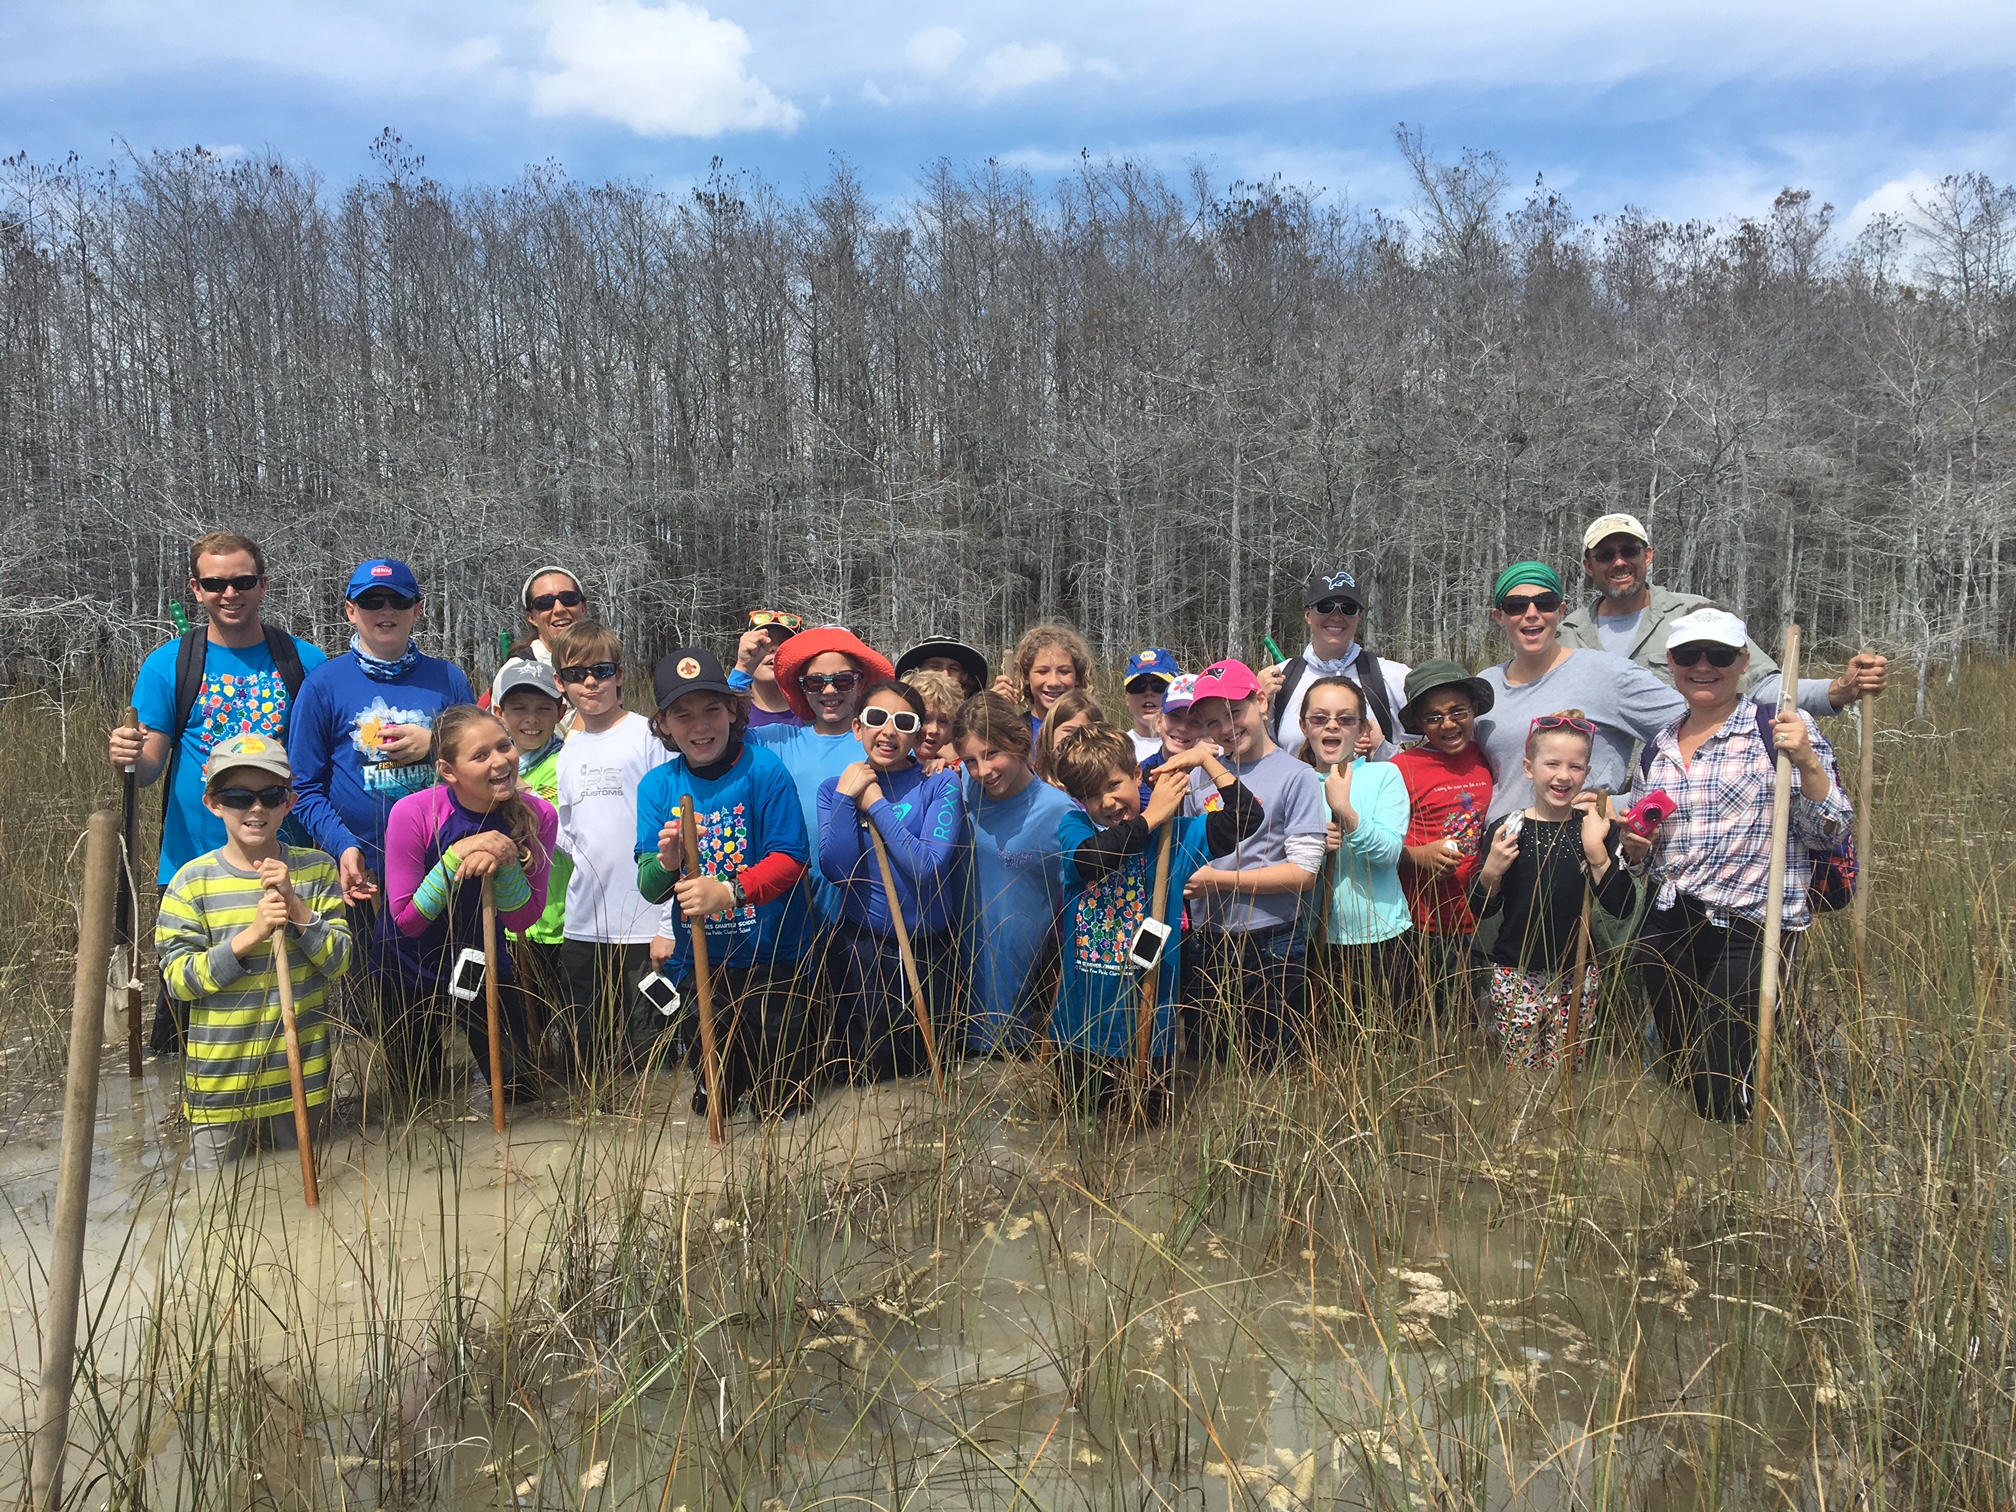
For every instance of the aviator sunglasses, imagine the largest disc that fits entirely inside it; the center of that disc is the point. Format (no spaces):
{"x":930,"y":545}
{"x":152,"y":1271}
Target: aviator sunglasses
{"x":1718,"y":656}
{"x":239,"y":800}
{"x":758,"y":618}
{"x":1344,"y":606}
{"x":906,"y":723}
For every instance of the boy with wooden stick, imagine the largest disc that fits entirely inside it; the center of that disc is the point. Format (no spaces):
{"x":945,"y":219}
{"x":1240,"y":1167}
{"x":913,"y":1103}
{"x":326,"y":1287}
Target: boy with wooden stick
{"x":215,"y":936}
{"x":1114,"y":880}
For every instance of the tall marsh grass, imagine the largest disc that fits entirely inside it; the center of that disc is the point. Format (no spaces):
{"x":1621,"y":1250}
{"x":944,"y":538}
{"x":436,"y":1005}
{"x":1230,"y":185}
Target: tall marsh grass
{"x":1387,"y":1277}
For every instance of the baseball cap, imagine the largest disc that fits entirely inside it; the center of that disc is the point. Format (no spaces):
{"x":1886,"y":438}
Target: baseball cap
{"x":1224,"y":679}
{"x":549,"y":570}
{"x":524,"y":672}
{"x":1154,"y":662}
{"x":690,"y":669}
{"x":956,"y":651}
{"x":1613,"y":524}
{"x":1328,"y":585}
{"x":1715,"y":627}
{"x":257,"y":751}
{"x":383,"y":572}
{"x":1182,"y":693}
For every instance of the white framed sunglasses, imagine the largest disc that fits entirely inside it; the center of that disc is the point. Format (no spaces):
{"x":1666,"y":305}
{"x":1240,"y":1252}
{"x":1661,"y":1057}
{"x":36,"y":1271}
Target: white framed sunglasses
{"x":875,"y":716}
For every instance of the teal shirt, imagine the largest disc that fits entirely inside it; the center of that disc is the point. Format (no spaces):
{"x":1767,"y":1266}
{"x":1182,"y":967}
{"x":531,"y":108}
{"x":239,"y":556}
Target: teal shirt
{"x":1366,"y":903}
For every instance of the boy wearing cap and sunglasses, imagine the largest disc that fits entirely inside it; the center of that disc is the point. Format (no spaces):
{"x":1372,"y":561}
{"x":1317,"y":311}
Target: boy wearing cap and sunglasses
{"x":1144,"y":686}
{"x":214,"y":938}
{"x":525,"y":696}
{"x":755,"y":673}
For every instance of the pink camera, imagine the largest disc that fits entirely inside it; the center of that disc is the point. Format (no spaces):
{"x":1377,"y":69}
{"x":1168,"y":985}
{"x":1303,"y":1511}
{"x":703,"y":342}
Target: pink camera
{"x":1646,"y":815}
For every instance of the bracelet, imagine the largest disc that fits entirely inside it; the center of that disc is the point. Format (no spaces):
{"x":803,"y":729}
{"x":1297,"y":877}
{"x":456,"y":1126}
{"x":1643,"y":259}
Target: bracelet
{"x":735,"y":891}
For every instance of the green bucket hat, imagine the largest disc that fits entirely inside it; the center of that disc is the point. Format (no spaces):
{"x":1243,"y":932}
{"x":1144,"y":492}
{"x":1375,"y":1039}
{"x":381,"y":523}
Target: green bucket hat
{"x":1524,"y":574}
{"x":1440,"y":673}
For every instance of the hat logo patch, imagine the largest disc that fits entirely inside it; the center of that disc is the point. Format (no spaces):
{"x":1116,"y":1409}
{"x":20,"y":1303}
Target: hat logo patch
{"x":688,"y":667}
{"x":251,"y":745}
{"x":1340,"y":580}
{"x":381,"y":570}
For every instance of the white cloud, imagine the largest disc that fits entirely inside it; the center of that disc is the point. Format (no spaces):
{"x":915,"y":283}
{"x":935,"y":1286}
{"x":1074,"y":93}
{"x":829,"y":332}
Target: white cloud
{"x":475,"y":54}
{"x":661,"y":70}
{"x":1019,"y":66}
{"x":1893,"y":198}
{"x":934,"y":49}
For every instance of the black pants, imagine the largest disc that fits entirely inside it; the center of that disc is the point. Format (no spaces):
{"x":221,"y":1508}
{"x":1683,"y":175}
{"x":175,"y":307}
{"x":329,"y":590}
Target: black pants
{"x":1353,"y":988}
{"x":1103,"y":1086}
{"x":410,"y":1021}
{"x":544,"y":984}
{"x":602,"y":1024}
{"x":1702,"y":980}
{"x":875,"y":1030}
{"x":1250,"y":995}
{"x":766,"y":1033}
{"x":1446,"y":977}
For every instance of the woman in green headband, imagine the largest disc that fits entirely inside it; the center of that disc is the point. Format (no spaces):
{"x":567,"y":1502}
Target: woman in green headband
{"x":1623,"y":700}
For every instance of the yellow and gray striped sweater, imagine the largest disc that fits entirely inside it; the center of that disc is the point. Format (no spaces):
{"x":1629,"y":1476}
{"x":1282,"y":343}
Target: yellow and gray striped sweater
{"x":237,"y":1059}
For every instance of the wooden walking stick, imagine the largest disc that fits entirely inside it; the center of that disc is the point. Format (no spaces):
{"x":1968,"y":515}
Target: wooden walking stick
{"x":126,"y":924}
{"x":1865,"y":805}
{"x":492,"y":1007}
{"x":73,"y":1168}
{"x":1144,"y":1026}
{"x":291,"y":1031}
{"x":1574,"y":1036}
{"x":1774,"y":902}
{"x":710,"y":1054}
{"x":909,"y":960}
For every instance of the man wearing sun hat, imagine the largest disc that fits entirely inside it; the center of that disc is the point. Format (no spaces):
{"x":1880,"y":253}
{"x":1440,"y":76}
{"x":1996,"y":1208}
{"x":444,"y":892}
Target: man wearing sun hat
{"x":1631,"y":617}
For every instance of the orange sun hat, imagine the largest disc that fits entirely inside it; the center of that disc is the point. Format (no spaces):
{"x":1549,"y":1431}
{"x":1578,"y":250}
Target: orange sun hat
{"x":801,"y":649}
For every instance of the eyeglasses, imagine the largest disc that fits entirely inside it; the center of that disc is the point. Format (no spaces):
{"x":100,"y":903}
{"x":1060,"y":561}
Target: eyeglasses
{"x":905,"y":722}
{"x":1718,"y":656}
{"x":373,"y":599}
{"x":761,"y":617}
{"x":1560,"y":722}
{"x":600,"y":671}
{"x":241,"y":799}
{"x":567,"y":598}
{"x":1326,"y":721}
{"x":1344,"y":606}
{"x":245,"y":582}
{"x":1458,"y":715}
{"x":1139,"y":685}
{"x":832,"y":682}
{"x":1605,"y":556}
{"x":1515,"y":608}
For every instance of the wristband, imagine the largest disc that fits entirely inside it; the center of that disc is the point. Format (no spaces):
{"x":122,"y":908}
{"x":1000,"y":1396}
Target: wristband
{"x":735,"y":892}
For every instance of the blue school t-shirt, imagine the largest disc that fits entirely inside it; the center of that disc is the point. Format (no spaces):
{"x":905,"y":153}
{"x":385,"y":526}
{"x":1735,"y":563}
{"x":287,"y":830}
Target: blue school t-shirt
{"x":1015,"y":890}
{"x":242,"y":694}
{"x":1099,"y":1006}
{"x":747,"y":813}
{"x":811,"y":758}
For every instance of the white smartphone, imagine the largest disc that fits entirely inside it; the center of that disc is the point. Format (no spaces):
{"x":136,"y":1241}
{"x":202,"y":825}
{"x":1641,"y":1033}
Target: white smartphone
{"x":466,"y":981}
{"x":1149,"y":940}
{"x":660,"y":992}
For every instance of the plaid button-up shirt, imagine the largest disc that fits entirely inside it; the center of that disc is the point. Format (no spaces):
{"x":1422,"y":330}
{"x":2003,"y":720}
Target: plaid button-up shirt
{"x":1716,"y":847}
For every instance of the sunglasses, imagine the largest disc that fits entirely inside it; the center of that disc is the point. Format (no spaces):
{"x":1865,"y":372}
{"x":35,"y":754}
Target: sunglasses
{"x":1345,"y":606}
{"x":567,"y":598}
{"x":1560,"y":722}
{"x":1718,"y":656}
{"x":1459,"y":715}
{"x":245,"y":582}
{"x":241,"y":799}
{"x":832,"y":682}
{"x":905,"y":722}
{"x":761,"y":617}
{"x":1326,"y":721}
{"x":600,"y":671}
{"x":1605,"y":556}
{"x":1139,"y":685}
{"x":1515,"y":608}
{"x":382,"y":598}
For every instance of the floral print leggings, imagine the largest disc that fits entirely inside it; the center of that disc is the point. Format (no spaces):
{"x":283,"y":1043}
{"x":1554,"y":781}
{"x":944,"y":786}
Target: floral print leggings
{"x":1529,"y":1009}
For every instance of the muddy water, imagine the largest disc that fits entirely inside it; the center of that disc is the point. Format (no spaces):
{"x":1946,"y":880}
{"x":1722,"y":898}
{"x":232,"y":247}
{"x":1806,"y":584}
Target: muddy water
{"x":970,"y":1308}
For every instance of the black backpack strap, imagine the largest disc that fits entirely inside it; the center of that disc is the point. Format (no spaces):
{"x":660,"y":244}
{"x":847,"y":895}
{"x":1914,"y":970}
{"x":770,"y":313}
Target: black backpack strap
{"x":1372,"y":683}
{"x":286,"y":661}
{"x":190,"y":654}
{"x":1298,"y":668}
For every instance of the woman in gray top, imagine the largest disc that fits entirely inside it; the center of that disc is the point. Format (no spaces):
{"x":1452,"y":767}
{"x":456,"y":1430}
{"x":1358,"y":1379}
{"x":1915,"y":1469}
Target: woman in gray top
{"x":1626,"y":703}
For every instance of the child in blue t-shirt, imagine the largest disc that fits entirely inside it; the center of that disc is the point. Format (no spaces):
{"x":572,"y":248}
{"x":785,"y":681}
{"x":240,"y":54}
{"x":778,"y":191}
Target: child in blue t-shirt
{"x":750,"y":889}
{"x":1110,"y":852}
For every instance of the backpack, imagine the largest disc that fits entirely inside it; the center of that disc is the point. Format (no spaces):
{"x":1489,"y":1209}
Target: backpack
{"x":1832,"y":885}
{"x":1371,"y":682}
{"x":190,"y":655}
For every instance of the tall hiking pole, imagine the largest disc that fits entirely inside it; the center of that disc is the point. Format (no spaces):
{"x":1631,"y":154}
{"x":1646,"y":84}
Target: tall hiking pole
{"x":291,"y":1032}
{"x":909,"y":960}
{"x":710,"y":1054}
{"x":1571,"y":1044}
{"x":493,"y":1009}
{"x":126,"y":925}
{"x":1865,"y":806}
{"x":1144,"y":1020}
{"x":73,"y":1168}
{"x":1774,"y":902}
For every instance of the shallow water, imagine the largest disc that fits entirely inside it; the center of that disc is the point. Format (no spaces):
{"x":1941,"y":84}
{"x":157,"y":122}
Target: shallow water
{"x":890,"y":1305}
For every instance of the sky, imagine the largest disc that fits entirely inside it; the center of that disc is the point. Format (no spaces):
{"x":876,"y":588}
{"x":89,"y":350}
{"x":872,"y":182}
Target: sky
{"x":1680,"y":108}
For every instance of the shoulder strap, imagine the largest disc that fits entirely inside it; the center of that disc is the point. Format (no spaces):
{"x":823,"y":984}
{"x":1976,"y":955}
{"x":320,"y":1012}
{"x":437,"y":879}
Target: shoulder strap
{"x":1298,"y":668}
{"x":1372,"y":682}
{"x":286,"y":659}
{"x":190,"y":656}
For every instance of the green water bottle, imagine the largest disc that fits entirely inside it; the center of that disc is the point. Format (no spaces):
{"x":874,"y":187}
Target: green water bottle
{"x":181,"y":617}
{"x":1274,"y":652}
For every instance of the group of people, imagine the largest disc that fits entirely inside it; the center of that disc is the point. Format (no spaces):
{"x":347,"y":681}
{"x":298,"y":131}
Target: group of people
{"x":884,"y":851}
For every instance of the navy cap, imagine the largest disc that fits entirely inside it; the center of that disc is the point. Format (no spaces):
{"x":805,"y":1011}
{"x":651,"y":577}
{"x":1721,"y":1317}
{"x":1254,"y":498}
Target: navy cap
{"x":690,"y":669}
{"x":383,"y":572}
{"x":1154,"y":662}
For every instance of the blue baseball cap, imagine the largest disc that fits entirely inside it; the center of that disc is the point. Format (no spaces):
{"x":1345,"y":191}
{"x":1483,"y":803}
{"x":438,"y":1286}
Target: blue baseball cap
{"x":1154,"y":662}
{"x":383,"y":572}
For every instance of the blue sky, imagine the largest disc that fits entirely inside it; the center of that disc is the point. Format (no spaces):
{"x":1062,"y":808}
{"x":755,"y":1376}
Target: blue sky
{"x":1681,"y":107}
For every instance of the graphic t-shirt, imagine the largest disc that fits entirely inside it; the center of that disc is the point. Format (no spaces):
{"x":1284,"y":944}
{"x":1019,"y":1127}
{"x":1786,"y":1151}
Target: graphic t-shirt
{"x":747,"y":813}
{"x":1291,"y":797}
{"x":344,"y":788}
{"x":811,"y":758}
{"x":1448,"y":797}
{"x":598,"y":777}
{"x":543,"y":778}
{"x":242,"y":694}
{"x":1015,"y":890}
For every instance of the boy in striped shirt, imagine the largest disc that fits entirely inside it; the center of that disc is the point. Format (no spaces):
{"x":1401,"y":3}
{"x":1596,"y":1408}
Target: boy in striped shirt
{"x":214,"y":938}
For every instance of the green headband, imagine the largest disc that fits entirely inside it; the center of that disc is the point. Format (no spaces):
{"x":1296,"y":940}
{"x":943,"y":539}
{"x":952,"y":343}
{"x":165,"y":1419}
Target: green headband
{"x":1524,"y":574}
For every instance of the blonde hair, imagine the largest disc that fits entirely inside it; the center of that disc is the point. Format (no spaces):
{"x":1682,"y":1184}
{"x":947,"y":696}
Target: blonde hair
{"x":942,"y":696}
{"x":450,"y":725}
{"x":1037,"y":639}
{"x":1068,"y":707}
{"x":1533,"y":733}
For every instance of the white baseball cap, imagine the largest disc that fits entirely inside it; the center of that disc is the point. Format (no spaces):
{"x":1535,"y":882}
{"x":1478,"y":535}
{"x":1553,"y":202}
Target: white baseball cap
{"x":1613,"y":524}
{"x":1714,"y":627}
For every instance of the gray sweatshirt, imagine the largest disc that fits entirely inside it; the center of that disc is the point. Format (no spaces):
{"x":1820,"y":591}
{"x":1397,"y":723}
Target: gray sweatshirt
{"x":1626,"y":703}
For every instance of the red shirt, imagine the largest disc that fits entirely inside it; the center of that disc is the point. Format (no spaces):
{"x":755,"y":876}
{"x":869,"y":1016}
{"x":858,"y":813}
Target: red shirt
{"x":1448,"y":797}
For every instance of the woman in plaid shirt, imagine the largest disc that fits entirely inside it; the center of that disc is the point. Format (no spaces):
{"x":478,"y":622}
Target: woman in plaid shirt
{"x":1709,"y":863}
